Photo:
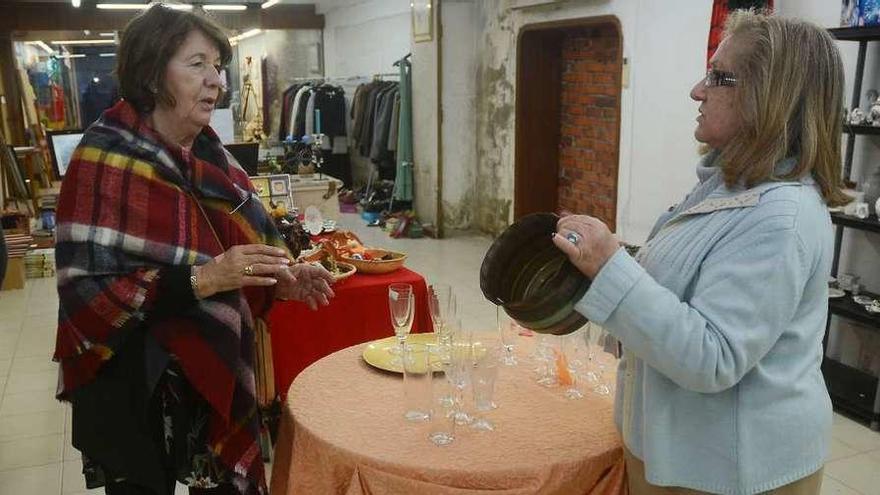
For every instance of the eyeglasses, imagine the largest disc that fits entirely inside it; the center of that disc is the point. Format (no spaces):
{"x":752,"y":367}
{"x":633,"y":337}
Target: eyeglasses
{"x":716,"y":77}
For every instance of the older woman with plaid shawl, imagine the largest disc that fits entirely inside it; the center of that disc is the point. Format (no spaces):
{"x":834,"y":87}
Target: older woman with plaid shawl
{"x":165,"y":257}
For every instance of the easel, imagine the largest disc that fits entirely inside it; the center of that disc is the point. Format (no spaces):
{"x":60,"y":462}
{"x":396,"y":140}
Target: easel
{"x":253,"y":129}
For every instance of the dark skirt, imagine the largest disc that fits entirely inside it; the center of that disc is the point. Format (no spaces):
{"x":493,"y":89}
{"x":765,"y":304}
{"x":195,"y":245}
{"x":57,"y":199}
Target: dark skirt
{"x":145,"y":435}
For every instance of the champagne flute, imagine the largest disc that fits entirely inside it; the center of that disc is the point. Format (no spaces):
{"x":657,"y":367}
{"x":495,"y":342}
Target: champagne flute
{"x":507,"y":328}
{"x":441,"y":302}
{"x":401,"y":302}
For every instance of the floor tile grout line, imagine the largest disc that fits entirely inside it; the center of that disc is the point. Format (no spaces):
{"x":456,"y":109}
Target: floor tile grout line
{"x":859,"y":492}
{"x":6,"y":470}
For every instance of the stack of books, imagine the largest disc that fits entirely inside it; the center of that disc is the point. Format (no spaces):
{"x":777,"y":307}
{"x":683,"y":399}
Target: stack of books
{"x":40,"y":263}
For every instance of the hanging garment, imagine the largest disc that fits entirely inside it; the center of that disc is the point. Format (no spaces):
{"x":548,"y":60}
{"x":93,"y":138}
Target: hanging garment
{"x":366,"y":135}
{"x":294,"y":109}
{"x":403,"y":184}
{"x":330,"y":100}
{"x":309,"y":128}
{"x":379,"y":147}
{"x":286,"y":104}
{"x":395,"y":123}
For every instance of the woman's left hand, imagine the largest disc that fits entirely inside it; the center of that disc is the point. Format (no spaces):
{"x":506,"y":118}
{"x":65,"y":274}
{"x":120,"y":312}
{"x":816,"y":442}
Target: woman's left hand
{"x":594,"y":246}
{"x":307,"y":283}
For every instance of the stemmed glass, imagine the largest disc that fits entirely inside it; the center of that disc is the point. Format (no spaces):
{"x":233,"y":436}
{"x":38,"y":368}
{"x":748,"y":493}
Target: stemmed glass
{"x":483,"y":375}
{"x":575,"y":354}
{"x":607,"y":352}
{"x":441,"y":302}
{"x":507,"y":329}
{"x":458,"y":368}
{"x":401,"y":302}
{"x":592,"y":335}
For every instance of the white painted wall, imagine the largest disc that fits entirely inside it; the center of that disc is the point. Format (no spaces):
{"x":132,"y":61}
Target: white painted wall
{"x":364,"y":37}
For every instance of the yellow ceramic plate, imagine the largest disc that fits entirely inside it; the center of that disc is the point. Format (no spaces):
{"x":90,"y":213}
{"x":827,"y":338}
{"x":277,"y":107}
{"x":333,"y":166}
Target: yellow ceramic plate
{"x":376,"y":353}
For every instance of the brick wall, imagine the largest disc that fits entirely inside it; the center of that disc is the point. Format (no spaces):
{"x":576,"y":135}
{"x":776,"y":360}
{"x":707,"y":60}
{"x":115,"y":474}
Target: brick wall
{"x":590,"y":123}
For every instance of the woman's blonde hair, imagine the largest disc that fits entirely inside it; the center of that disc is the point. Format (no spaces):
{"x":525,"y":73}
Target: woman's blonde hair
{"x":790,"y":95}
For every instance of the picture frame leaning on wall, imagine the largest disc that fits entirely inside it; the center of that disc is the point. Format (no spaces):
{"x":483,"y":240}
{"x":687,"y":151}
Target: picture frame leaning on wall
{"x":422,"y":20}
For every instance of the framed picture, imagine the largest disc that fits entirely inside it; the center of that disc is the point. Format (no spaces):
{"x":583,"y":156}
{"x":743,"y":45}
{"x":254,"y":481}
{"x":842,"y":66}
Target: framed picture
{"x":265,"y":201}
{"x":422,"y":20}
{"x":279,"y":185}
{"x":282,"y":200}
{"x":261,"y":184}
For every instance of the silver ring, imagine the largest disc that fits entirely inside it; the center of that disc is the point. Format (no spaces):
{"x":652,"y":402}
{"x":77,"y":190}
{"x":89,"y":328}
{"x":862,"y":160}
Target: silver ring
{"x":573,"y":237}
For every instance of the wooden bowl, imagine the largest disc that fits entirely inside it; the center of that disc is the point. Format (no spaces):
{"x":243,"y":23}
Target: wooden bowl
{"x":377,"y":265}
{"x":348,"y":268}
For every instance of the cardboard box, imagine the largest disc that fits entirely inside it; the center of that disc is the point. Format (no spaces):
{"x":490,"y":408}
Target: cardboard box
{"x":14,"y":274}
{"x":319,"y":191}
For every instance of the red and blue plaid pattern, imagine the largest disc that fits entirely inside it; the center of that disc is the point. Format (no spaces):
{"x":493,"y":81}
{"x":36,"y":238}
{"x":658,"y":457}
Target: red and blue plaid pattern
{"x":127,"y":209}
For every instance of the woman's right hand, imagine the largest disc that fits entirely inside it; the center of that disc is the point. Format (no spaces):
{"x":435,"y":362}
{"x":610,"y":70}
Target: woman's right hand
{"x":240,"y":266}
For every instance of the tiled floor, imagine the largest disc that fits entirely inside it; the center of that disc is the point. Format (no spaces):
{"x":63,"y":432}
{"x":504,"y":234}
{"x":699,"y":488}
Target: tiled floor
{"x":35,"y":453}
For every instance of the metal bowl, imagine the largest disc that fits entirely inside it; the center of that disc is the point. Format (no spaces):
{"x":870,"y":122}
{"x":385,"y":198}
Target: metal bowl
{"x":528,"y":276}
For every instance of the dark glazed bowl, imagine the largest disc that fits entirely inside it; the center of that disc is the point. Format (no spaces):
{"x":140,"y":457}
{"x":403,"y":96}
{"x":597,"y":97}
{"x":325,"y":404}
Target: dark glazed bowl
{"x":528,"y":276}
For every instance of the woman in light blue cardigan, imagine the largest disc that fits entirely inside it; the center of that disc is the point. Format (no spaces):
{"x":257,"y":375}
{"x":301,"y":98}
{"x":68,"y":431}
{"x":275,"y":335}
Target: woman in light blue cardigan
{"x":722,"y":314}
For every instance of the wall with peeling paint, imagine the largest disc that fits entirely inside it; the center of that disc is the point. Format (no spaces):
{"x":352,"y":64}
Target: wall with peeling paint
{"x":657,"y":152}
{"x":426,"y":121}
{"x":459,"y":97}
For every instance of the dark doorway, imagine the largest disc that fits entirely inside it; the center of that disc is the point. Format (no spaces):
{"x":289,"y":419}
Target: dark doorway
{"x":568,"y":117}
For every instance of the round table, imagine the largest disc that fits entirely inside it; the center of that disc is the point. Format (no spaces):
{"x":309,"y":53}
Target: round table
{"x":343,"y":432}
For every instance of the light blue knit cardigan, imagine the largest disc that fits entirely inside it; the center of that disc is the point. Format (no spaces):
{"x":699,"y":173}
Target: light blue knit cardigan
{"x":722,"y":317}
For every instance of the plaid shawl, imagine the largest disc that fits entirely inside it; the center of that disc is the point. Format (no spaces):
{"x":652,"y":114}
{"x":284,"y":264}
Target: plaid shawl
{"x":127,"y":208}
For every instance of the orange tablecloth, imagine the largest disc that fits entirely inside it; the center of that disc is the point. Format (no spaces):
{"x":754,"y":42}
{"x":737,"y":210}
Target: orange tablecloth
{"x":359,"y":313}
{"x":343,"y":432}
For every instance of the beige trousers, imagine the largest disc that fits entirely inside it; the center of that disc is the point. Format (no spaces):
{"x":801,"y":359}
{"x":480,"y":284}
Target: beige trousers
{"x":635,"y":475}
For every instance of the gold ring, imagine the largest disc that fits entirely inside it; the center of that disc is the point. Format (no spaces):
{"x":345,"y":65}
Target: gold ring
{"x":249,"y":270}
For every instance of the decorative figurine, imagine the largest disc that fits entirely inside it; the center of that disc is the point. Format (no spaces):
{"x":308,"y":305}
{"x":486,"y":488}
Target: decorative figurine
{"x":857,"y":117}
{"x":874,"y":108}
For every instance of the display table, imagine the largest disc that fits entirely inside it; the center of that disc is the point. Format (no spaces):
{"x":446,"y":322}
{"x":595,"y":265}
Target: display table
{"x":359,"y":313}
{"x":343,"y":432}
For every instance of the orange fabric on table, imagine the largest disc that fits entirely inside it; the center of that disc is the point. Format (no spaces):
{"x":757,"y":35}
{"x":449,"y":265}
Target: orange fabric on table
{"x":343,"y":432}
{"x":359,"y":313}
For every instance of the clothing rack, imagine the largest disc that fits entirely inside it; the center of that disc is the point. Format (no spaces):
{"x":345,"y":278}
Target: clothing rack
{"x":375,"y":77}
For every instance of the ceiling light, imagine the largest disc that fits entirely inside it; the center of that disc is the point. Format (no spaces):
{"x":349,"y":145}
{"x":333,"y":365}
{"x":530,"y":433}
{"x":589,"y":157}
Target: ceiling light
{"x":107,"y":35}
{"x":141,"y":6}
{"x":42,"y":45}
{"x":245,"y":35}
{"x":224,"y":7}
{"x":106,"y":54}
{"x":75,"y":3}
{"x":270,"y":3}
{"x":84,"y":42}
{"x":75,"y":55}
{"x":123,"y":6}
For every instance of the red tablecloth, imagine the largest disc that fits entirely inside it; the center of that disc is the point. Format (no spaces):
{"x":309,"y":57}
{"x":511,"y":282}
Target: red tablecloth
{"x":359,"y":313}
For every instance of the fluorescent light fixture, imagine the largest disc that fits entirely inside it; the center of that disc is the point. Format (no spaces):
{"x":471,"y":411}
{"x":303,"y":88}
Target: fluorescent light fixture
{"x":122,"y":6}
{"x":106,"y":54}
{"x":141,"y":6}
{"x":75,"y":55}
{"x":107,"y":35}
{"x":224,"y":7}
{"x":75,"y":3}
{"x":245,"y":35}
{"x":85,"y":42}
{"x":270,"y":3}
{"x":42,"y":45}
